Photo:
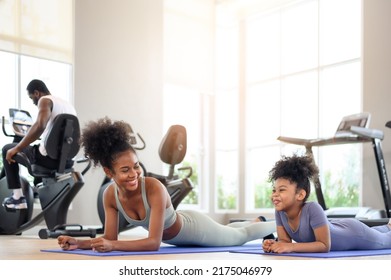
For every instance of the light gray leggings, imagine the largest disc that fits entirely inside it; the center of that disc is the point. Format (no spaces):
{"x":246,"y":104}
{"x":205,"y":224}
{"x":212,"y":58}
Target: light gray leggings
{"x":200,"y":230}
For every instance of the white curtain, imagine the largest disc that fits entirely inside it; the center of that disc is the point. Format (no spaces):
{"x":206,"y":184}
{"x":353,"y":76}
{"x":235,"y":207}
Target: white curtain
{"x":39,"y":28}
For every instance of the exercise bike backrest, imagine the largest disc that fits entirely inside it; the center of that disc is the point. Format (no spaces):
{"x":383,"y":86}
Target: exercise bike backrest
{"x":173,"y":147}
{"x":62,"y":144}
{"x":172,"y":151}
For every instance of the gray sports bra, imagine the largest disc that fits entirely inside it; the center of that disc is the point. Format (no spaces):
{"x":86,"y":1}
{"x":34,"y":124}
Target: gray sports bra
{"x":169,"y":216}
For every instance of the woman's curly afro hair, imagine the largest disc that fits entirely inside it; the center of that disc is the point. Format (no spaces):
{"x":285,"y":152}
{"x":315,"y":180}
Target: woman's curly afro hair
{"x":104,"y":139}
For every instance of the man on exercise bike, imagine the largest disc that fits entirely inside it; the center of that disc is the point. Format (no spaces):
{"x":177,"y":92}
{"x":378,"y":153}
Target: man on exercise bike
{"x":49,"y":107}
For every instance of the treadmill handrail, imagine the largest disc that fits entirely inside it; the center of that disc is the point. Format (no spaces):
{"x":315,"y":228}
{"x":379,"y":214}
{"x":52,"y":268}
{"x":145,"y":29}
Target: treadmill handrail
{"x":317,"y":142}
{"x":367,"y":132}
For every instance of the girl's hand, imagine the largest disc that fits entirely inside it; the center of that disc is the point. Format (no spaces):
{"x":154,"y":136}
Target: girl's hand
{"x":266,"y":245}
{"x":281,"y":247}
{"x":101,"y":245}
{"x":67,"y":242}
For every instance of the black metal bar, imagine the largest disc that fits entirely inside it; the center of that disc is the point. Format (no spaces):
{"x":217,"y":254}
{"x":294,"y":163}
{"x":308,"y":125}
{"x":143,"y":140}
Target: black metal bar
{"x":381,"y":167}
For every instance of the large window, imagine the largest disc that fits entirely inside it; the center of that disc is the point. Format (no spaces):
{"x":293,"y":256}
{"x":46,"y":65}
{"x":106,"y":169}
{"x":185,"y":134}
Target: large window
{"x":287,"y":70}
{"x":299,"y":83}
{"x":36,"y":42}
{"x":20,"y":70}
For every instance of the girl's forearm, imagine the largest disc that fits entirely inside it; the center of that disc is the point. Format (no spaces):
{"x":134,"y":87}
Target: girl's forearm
{"x":310,"y":247}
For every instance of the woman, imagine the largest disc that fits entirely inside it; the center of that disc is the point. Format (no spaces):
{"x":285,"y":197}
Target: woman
{"x":303,"y":226}
{"x":145,"y":202}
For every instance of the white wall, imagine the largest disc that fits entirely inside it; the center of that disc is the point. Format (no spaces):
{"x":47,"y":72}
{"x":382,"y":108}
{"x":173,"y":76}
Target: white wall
{"x":376,"y":90}
{"x":118,"y":73}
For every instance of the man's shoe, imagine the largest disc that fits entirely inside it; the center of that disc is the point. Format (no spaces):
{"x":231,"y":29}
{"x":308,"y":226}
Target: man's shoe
{"x":12,"y":203}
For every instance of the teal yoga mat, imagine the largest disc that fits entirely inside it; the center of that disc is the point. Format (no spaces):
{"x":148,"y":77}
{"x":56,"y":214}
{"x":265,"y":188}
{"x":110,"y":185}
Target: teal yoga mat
{"x":332,"y":254}
{"x":163,"y":250}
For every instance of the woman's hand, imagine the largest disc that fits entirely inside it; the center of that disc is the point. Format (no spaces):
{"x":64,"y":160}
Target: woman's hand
{"x":101,"y":245}
{"x":67,"y":242}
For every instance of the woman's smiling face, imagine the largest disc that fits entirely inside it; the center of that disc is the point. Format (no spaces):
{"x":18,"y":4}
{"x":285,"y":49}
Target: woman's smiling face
{"x":126,"y":171}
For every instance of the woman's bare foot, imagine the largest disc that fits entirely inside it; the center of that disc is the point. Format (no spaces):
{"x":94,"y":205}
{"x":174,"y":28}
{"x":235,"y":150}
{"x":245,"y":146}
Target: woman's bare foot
{"x":260,"y":219}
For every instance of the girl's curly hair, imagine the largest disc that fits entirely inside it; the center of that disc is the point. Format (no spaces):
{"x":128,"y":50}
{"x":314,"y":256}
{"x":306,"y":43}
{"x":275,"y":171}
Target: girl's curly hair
{"x":297,"y":169}
{"x":104,"y":139}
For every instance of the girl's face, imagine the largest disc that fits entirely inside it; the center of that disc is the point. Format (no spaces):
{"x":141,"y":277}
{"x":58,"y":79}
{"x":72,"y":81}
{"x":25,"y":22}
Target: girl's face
{"x":126,"y":171}
{"x":285,"y":195}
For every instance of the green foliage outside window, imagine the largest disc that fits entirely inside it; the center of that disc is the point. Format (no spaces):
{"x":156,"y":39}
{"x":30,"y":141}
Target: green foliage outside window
{"x":193,"y":196}
{"x":263,"y":193}
{"x":339,"y":192}
{"x":225,"y":200}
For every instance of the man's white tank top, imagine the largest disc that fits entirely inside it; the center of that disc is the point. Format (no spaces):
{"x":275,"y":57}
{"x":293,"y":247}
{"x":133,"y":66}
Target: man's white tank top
{"x":60,"y":106}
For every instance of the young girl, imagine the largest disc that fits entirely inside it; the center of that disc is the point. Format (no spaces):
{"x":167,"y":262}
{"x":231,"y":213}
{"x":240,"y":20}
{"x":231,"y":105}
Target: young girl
{"x":303,"y":226}
{"x":145,"y":202}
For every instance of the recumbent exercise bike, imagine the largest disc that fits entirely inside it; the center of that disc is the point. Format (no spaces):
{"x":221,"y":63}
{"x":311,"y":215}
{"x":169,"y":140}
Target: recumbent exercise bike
{"x":55,"y":189}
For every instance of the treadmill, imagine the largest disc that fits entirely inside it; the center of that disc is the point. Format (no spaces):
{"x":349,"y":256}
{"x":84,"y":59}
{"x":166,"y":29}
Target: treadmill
{"x":353,"y":129}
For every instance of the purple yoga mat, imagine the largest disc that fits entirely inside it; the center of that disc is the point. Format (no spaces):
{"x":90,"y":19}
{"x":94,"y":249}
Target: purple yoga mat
{"x":332,"y":254}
